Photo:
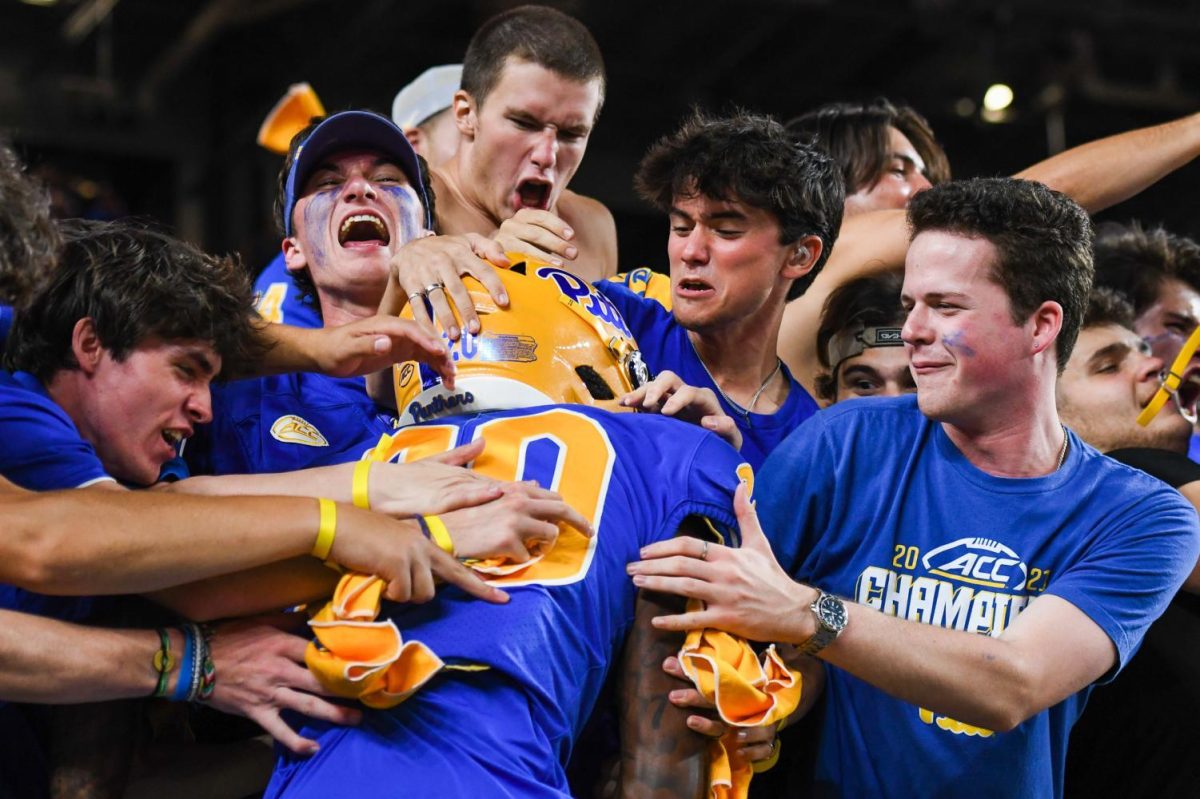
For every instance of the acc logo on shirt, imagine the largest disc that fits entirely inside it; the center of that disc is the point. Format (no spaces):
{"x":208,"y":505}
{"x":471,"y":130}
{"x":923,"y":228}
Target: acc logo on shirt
{"x":292,"y":429}
{"x":978,"y":561}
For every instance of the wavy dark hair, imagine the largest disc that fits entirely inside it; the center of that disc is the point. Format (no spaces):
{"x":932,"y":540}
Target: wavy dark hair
{"x":856,"y":135}
{"x":136,"y":284}
{"x":750,"y":158}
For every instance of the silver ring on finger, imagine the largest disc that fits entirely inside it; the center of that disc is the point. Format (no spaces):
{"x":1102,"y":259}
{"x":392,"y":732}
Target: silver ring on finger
{"x":432,"y":287}
{"x":704,"y":552}
{"x":413,"y":296}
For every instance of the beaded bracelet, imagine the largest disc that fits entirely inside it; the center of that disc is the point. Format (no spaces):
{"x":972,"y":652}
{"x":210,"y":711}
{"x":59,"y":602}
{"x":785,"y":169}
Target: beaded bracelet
{"x":202,"y":677}
{"x":163,"y":662}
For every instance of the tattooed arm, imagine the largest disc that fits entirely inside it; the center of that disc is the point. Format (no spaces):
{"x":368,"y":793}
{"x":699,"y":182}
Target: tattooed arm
{"x":660,"y":755}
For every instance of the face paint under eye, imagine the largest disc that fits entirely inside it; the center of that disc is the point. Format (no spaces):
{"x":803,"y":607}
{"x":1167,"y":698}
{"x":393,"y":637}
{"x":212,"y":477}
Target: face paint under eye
{"x":955,"y":341}
{"x":316,"y":218}
{"x":410,"y":211}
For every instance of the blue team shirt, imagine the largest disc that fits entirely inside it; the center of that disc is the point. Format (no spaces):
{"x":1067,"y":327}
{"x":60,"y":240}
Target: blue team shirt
{"x":42,"y":451}
{"x":872,"y":501}
{"x":286,"y":422}
{"x":280,"y":300}
{"x":665,"y":345}
{"x":507,"y":731}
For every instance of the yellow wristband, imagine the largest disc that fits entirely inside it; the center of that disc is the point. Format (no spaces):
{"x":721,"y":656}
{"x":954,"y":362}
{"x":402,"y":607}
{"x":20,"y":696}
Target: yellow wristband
{"x":759,"y":766}
{"x":359,"y":488}
{"x":439,"y":533}
{"x":327,"y":530}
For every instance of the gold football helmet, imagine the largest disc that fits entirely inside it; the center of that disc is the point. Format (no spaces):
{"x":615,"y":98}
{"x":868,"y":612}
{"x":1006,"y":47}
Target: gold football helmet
{"x":559,"y":341}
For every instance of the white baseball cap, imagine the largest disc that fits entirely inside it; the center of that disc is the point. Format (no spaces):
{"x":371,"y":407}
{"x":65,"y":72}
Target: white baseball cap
{"x":431,"y":92}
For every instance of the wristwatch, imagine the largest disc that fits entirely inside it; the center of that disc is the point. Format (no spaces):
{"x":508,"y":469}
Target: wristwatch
{"x":831,"y":620}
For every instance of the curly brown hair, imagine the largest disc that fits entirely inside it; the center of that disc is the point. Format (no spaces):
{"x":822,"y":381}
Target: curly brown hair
{"x":135,"y":284}
{"x":29,"y":239}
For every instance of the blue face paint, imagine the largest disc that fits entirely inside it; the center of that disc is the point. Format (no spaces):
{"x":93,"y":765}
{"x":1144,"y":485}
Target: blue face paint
{"x":317,"y":213}
{"x":955,"y":341}
{"x":410,"y":212}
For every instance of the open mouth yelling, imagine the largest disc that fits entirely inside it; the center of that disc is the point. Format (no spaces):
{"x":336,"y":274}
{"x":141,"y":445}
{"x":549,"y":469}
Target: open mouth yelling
{"x":533,"y":194}
{"x":1188,"y":394}
{"x":363,"y":230}
{"x":691,"y":288}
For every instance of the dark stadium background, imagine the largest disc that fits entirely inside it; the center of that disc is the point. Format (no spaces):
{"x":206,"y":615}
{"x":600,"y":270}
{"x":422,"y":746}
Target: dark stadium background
{"x":150,"y":107}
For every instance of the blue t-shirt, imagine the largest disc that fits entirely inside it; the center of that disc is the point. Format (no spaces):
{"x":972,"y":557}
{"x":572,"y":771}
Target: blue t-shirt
{"x":279,"y":299}
{"x":42,"y":451}
{"x":872,"y":501}
{"x":286,"y":422}
{"x":1194,"y":447}
{"x":507,"y":731}
{"x":665,"y":345}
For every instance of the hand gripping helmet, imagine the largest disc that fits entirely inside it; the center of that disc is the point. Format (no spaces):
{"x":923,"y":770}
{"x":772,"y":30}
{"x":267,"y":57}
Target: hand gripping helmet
{"x":559,"y":341}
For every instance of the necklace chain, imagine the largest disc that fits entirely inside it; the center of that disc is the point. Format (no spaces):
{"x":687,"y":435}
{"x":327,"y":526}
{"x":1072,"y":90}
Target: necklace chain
{"x":1062,"y":453}
{"x":744,"y":412}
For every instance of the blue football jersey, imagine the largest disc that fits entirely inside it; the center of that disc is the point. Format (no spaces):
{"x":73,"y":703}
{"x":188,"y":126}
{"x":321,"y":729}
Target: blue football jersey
{"x":278,"y":298}
{"x":283,"y":423}
{"x":665,"y":345}
{"x":42,"y":451}
{"x":507,"y":730}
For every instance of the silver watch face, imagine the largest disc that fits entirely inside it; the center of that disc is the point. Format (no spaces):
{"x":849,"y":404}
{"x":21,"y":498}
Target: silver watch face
{"x":831,"y":612}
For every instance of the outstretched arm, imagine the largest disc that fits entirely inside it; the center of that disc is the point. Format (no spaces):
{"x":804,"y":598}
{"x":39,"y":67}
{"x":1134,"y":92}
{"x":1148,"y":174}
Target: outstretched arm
{"x":1088,"y":173}
{"x":1049,"y":652}
{"x":874,"y":242}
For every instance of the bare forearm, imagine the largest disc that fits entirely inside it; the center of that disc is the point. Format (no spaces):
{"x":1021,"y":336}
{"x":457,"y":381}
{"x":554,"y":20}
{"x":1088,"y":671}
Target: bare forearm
{"x":971,"y":678}
{"x":285,"y":349}
{"x":91,"y":541}
{"x":49,"y":661}
{"x":660,"y":756}
{"x":1104,"y":172}
{"x":266,"y":588}
{"x":331,"y":482}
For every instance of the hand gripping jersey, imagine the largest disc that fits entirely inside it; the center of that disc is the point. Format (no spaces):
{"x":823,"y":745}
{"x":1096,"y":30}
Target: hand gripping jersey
{"x":665,"y":345}
{"x":507,"y":730}
{"x":507,"y":688}
{"x":873,"y":502}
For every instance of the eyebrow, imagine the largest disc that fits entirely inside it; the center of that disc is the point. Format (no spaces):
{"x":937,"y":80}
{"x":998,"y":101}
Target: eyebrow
{"x":1118,"y":349}
{"x":718,"y":215}
{"x":866,"y":371}
{"x":201,"y":360}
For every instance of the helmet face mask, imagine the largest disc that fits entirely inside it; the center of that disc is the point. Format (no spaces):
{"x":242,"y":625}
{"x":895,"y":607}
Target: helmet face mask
{"x":559,"y":342}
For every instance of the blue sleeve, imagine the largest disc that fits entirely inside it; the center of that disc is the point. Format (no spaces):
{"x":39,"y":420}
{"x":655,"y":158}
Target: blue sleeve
{"x":642,"y":316}
{"x":1134,"y":566}
{"x":42,"y":450}
{"x":713,"y":472}
{"x":796,"y":489}
{"x":6,"y":318}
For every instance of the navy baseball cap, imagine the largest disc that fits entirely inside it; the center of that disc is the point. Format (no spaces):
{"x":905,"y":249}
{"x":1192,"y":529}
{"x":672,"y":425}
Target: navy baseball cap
{"x":352,"y":130}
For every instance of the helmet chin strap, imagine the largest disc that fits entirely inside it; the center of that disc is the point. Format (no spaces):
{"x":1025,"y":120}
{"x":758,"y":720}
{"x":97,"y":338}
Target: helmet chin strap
{"x":1171,"y":380}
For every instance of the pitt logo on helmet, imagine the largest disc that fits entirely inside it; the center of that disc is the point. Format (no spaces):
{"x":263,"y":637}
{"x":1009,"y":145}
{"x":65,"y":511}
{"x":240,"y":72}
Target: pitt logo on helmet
{"x":559,"y":341}
{"x":977,"y":561}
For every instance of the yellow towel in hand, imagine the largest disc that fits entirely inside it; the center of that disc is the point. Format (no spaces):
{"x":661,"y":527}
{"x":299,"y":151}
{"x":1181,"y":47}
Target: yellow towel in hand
{"x":747,"y":692}
{"x":357,"y":657}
